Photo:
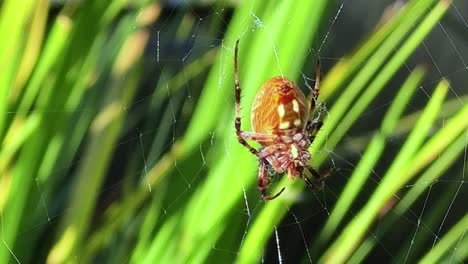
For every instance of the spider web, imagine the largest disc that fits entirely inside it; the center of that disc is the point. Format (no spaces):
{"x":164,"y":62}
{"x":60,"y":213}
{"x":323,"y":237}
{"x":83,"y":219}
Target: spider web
{"x":292,"y":236}
{"x":444,"y":51}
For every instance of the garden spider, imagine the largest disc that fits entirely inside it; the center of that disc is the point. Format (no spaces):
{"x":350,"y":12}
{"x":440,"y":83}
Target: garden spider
{"x":282,"y":124}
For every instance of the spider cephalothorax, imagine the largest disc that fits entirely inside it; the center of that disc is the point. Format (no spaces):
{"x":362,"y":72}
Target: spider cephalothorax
{"x":282,"y":124}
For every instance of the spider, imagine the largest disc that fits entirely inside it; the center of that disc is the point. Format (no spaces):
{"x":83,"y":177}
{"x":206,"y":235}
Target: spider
{"x":282,"y":124}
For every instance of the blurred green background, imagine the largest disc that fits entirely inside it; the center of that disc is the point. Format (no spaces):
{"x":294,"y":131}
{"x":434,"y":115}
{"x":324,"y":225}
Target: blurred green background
{"x":117,"y":140}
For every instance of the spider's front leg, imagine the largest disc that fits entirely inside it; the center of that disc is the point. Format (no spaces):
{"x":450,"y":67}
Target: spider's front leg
{"x":260,"y":138}
{"x":263,"y":181}
{"x":240,"y":134}
{"x":317,"y":175}
{"x":313,"y":126}
{"x":309,"y":182}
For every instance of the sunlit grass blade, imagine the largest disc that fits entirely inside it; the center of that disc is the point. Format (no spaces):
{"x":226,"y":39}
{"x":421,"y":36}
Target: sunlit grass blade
{"x":49,"y":55}
{"x":348,"y":98}
{"x":14,"y":18}
{"x":205,"y":117}
{"x":373,"y":48}
{"x":105,"y":131}
{"x":445,"y":158}
{"x":431,"y":174}
{"x":139,"y":252}
{"x":439,"y":141}
{"x":459,"y":252}
{"x":383,"y":77}
{"x":20,"y":131}
{"x":394,"y":179}
{"x":448,"y":241}
{"x":405,"y":124}
{"x":178,"y":81}
{"x":54,"y":47}
{"x":370,"y":157}
{"x":450,"y":108}
{"x":32,"y":49}
{"x":420,"y":240}
{"x":66,"y":59}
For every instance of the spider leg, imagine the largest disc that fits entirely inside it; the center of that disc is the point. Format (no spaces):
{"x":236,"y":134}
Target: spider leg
{"x":314,"y":128}
{"x":309,"y":183}
{"x":263,"y":182}
{"x":239,"y":132}
{"x":315,"y":91}
{"x":314,"y":172}
{"x":258,"y":136}
{"x":317,"y":175}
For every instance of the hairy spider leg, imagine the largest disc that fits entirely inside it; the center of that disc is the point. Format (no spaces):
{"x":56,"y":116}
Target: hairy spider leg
{"x":263,"y":181}
{"x":314,"y":128}
{"x":309,"y":182}
{"x":315,"y":92}
{"x":239,"y":132}
{"x":258,"y":137}
{"x":314,"y":172}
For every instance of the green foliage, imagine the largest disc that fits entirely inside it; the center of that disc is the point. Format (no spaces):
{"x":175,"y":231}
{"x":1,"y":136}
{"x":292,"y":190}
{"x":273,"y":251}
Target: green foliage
{"x":69,"y":98}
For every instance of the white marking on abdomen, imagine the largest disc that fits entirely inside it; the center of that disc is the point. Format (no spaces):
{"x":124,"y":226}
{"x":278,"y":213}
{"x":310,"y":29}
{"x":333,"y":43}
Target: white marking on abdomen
{"x":295,"y":106}
{"x":284,"y":125}
{"x":281,"y":111}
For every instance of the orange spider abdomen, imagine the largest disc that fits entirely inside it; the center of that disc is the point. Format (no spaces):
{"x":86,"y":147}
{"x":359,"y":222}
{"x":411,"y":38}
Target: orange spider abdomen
{"x":279,"y":106}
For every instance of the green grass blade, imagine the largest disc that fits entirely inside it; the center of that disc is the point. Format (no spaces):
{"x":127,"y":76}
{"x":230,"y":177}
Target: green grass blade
{"x":439,"y":142}
{"x":105,"y":131}
{"x":32,"y":48}
{"x":206,"y":117}
{"x":394,"y":179}
{"x":431,"y":174}
{"x":54,"y":48}
{"x":384,"y":76}
{"x":405,"y":124}
{"x":445,"y":158}
{"x":14,"y":17}
{"x":460,"y":251}
{"x":349,"y":95}
{"x":370,"y":157}
{"x":377,"y":47}
{"x":447,"y":241}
